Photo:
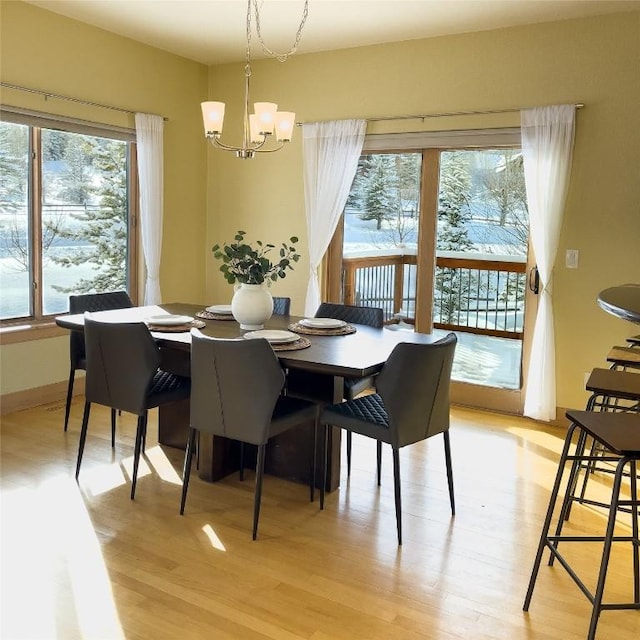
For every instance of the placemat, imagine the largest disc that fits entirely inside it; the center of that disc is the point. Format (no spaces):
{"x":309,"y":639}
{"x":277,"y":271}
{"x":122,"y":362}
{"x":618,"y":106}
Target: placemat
{"x":296,"y":327}
{"x":300,"y":343}
{"x":208,"y":315}
{"x":177,"y":328}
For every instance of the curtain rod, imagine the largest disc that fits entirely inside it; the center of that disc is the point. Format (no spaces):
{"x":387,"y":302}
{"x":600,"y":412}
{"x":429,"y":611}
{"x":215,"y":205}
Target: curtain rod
{"x":48,"y":94}
{"x":578,"y":105}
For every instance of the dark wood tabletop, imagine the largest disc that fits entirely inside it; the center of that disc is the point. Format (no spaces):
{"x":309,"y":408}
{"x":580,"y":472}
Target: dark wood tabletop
{"x":622,"y":301}
{"x":355,"y":355}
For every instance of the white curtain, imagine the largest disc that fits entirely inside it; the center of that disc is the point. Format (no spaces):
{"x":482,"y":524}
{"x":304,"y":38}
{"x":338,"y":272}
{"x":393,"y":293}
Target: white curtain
{"x":331,"y":152}
{"x":547,"y":144}
{"x":149,"y":137}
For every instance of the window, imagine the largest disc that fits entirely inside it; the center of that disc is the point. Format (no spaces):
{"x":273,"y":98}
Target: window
{"x":65,"y":214}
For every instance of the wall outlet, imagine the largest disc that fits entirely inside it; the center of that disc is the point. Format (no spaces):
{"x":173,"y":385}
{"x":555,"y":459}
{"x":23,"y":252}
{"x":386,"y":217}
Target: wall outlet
{"x":571,"y":259}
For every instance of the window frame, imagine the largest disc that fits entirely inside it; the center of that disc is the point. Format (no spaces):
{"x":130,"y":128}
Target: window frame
{"x":21,"y":329}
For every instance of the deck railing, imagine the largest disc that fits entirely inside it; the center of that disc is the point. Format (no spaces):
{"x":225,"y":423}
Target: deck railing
{"x":475,"y":295}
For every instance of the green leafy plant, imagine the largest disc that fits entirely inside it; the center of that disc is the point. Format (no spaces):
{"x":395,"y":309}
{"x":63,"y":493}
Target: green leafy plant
{"x":243,"y":263}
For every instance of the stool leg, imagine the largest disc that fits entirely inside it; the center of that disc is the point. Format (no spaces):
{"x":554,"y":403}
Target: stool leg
{"x":571,"y":486}
{"x":634,"y":532}
{"x":549,"y":516}
{"x":606,"y":552}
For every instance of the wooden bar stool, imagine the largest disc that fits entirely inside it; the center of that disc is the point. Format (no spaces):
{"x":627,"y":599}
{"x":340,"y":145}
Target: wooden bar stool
{"x":619,"y":435}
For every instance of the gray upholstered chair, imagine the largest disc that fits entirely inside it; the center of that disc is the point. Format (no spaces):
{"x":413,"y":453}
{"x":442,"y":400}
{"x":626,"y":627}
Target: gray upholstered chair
{"x":370,"y":316}
{"x":123,"y":373}
{"x":411,"y":404}
{"x":235,"y":393}
{"x":79,"y":304}
{"x":281,"y":306}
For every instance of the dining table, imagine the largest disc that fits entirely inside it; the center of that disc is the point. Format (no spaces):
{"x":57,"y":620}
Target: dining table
{"x":360,"y":352}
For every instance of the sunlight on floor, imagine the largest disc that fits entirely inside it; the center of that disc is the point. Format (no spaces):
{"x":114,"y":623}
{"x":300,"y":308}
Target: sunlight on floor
{"x":104,"y":478}
{"x":216,"y":543}
{"x":162,"y":465}
{"x":550,"y":442}
{"x":53,"y":523}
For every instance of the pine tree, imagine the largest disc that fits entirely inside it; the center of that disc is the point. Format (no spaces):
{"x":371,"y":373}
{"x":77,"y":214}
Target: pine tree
{"x":104,"y":227}
{"x":377,"y":198}
{"x":452,"y":294}
{"x":14,"y":168}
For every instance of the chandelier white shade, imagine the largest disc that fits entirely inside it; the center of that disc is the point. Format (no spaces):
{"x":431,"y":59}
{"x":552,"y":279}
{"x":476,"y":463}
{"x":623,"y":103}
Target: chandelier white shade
{"x":266,"y":123}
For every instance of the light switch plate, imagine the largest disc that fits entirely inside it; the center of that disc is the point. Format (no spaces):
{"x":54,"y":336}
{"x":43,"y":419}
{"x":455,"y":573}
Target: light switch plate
{"x":571,"y":259}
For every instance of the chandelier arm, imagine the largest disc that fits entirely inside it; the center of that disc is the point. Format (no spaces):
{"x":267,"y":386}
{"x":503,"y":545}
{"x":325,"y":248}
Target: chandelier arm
{"x":270,"y":150}
{"x":216,"y":142}
{"x":281,"y":57}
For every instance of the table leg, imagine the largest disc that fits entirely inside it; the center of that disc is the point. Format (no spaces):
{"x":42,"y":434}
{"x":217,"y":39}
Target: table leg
{"x":217,"y":456}
{"x":288,"y":455}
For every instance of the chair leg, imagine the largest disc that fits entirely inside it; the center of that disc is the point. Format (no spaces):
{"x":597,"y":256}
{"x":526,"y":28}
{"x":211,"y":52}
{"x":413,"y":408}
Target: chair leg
{"x":396,"y":483}
{"x":349,"y":438}
{"x":313,"y":470}
{"x":379,"y":461}
{"x":140,"y":433}
{"x":258,"y":494}
{"x":186,"y":473}
{"x":447,"y":457}
{"x":323,"y":484}
{"x":67,"y":408}
{"x":113,"y":428}
{"x":83,"y":436}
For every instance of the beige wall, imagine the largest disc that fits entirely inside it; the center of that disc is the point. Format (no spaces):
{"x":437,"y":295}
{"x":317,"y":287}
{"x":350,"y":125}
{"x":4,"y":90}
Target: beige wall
{"x":41,"y":50}
{"x":594,"y":61}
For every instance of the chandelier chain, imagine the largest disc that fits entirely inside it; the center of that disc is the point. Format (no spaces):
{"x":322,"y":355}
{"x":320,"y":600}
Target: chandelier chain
{"x":281,"y":57}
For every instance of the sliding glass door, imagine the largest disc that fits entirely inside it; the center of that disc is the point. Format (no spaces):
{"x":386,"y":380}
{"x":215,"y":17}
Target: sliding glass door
{"x":439,"y":239}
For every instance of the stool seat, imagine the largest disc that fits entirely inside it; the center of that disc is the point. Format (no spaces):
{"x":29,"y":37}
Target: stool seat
{"x":618,"y":384}
{"x":619,"y":434}
{"x":634,"y":341}
{"x":624,"y":357}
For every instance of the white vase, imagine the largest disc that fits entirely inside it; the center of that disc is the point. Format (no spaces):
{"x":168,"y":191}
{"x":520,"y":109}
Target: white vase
{"x":252,"y":306}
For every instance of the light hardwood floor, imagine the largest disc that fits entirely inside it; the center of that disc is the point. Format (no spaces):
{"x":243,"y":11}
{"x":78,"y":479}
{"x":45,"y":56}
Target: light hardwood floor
{"x":84,"y":561}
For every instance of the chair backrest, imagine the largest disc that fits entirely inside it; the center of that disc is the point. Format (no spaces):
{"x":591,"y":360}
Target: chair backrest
{"x":235,"y":385}
{"x":281,"y":306}
{"x":92,"y":302}
{"x":414,"y":385}
{"x":122,"y":359}
{"x":371,"y":316}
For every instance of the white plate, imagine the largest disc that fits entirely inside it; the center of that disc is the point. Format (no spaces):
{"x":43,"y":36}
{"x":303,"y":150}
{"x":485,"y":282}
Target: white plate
{"x":273,"y":335}
{"x":168,"y":320}
{"x":322,"y":323}
{"x":221,"y":309}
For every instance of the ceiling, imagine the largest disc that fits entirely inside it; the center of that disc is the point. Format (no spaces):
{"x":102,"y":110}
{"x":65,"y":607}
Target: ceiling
{"x":213,"y":31}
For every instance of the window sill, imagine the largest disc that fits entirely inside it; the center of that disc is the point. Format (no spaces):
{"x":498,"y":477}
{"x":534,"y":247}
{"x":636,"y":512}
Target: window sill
{"x":27,"y":331}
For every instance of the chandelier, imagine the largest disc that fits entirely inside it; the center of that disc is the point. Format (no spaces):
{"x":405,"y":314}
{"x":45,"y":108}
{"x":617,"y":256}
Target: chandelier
{"x":266,"y":120}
